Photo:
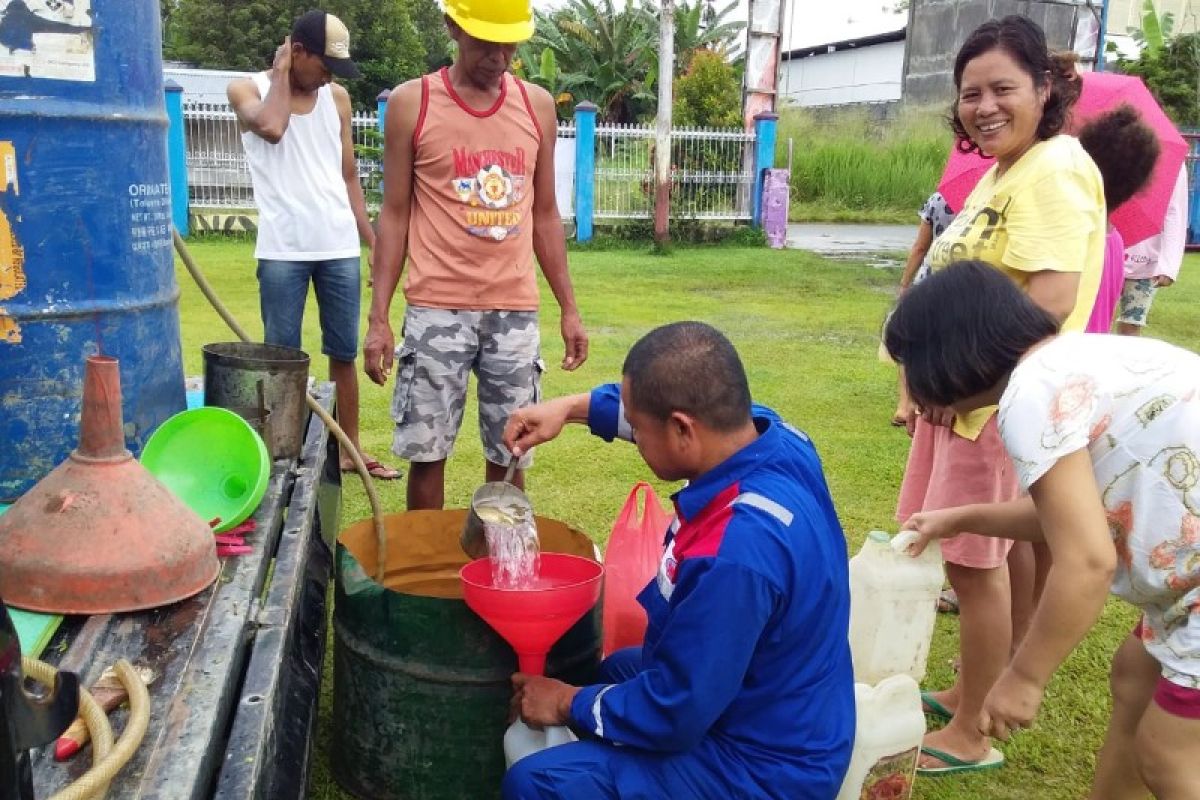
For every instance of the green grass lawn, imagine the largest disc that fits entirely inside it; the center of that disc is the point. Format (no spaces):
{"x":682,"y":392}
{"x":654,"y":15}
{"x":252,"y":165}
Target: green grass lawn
{"x":807,"y":329}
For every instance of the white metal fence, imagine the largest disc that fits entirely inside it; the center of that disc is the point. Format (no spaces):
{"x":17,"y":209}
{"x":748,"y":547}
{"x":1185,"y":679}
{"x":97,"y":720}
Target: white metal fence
{"x":712,"y":172}
{"x":218,"y":176}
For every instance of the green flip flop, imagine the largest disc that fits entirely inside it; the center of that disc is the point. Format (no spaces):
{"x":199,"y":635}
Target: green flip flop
{"x":933,"y":708}
{"x":956,"y":766}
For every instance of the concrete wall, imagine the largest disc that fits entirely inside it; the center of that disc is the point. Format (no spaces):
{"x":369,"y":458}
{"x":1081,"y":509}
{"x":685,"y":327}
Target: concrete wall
{"x":937,"y":29}
{"x":869,"y":74}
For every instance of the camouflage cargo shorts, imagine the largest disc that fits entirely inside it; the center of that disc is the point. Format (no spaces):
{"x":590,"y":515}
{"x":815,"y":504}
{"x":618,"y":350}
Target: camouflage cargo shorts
{"x":439,"y":350}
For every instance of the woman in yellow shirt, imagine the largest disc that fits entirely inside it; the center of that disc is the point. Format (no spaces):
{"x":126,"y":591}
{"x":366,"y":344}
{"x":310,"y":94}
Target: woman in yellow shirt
{"x":1038,"y":216}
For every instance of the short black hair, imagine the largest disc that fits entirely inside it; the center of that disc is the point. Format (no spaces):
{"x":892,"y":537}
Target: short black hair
{"x":1025,"y":42}
{"x":961,"y":331}
{"x":1125,"y":149}
{"x":689,"y":367}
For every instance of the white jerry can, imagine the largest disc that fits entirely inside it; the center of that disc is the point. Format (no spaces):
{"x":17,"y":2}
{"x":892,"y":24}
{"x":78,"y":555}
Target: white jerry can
{"x":887,"y":740}
{"x":520,"y":740}
{"x":893,"y":606}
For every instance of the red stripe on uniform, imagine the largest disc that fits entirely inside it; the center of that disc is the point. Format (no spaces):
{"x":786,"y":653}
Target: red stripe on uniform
{"x":702,"y":536}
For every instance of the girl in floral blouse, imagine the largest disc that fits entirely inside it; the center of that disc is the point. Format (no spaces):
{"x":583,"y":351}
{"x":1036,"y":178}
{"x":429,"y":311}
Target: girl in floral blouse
{"x":1104,"y":433}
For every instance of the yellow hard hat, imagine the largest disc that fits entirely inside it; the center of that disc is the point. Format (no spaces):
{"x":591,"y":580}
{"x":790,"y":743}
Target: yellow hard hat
{"x":501,"y":21}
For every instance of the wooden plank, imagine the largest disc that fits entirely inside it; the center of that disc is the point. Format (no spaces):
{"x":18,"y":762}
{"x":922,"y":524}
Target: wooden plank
{"x":270,"y":742}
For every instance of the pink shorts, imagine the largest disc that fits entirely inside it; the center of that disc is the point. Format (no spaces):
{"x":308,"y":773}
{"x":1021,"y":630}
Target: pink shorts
{"x":946,"y":470}
{"x":1176,"y":700}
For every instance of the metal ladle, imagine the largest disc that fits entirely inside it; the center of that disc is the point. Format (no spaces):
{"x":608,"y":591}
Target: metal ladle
{"x":501,"y":495}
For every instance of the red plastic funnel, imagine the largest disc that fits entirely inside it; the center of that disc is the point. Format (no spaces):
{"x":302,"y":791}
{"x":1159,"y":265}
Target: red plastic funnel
{"x":532,"y":620}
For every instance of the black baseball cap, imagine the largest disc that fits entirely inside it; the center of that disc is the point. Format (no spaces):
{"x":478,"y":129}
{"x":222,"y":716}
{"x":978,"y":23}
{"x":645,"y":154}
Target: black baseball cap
{"x":325,"y":35}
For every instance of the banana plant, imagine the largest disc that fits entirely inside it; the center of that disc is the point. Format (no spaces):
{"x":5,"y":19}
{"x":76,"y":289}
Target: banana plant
{"x":1155,"y":31}
{"x":542,"y":69}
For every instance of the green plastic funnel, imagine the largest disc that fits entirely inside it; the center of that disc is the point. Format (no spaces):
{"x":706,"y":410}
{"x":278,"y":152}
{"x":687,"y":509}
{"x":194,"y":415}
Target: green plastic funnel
{"x":213,"y":461}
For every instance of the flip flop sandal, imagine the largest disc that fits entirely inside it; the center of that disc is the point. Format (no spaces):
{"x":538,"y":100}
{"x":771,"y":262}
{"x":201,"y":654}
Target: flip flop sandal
{"x":947,"y":602}
{"x":933,"y":708}
{"x":956,"y":766}
{"x":377,"y":470}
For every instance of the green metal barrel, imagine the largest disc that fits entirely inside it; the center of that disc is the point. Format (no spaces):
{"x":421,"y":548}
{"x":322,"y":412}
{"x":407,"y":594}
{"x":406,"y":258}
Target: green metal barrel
{"x":420,"y":683}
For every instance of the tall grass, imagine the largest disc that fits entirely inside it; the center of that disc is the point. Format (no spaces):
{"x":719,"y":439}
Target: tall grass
{"x":849,"y":163}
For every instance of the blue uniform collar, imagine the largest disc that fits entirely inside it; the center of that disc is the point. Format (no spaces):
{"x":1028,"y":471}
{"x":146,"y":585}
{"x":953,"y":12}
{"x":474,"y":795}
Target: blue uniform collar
{"x":691,"y":500}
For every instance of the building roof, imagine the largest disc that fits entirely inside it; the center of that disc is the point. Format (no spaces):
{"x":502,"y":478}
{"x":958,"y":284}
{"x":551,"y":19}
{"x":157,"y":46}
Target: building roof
{"x":845,"y":44}
{"x":201,"y":85}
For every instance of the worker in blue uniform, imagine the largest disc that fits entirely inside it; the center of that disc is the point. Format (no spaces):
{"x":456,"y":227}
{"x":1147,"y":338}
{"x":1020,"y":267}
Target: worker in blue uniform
{"x":743,"y":687}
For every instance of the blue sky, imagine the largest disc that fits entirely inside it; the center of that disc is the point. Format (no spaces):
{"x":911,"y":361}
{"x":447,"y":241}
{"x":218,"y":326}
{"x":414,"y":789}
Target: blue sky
{"x":811,"y":22}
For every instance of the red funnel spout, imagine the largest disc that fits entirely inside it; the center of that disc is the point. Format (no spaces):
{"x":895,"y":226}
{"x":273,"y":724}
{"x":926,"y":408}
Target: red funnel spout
{"x":532,"y":620}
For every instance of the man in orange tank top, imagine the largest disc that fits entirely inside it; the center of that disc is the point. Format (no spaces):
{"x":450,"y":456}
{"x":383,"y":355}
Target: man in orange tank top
{"x":468,"y":202}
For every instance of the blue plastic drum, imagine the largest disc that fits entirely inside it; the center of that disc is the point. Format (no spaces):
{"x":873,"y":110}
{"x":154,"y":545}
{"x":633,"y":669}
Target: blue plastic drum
{"x":85,"y":225}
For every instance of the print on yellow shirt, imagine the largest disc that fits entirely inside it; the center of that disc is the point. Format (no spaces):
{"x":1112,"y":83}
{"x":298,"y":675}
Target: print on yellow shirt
{"x":977,"y":238}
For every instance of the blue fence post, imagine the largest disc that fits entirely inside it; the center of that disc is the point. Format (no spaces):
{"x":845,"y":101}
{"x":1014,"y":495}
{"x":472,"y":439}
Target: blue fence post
{"x":1102,"y":37}
{"x":177,"y":156}
{"x":381,"y":107}
{"x":1193,"y":163}
{"x":764,"y":157}
{"x":585,"y":169}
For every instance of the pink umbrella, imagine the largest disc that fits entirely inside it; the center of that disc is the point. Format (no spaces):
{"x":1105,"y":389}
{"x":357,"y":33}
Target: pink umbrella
{"x":1142,"y":215}
{"x":962,"y":172}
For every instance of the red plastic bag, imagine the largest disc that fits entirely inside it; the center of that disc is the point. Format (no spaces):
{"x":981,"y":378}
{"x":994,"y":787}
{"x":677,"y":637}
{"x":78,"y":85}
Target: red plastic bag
{"x":630,"y":561}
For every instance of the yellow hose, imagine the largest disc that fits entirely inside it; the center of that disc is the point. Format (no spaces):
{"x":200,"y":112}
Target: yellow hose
{"x":108,"y":759}
{"x":359,"y":465}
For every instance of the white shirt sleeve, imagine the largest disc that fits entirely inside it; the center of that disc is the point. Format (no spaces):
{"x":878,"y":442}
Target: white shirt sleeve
{"x":1174,"y":233}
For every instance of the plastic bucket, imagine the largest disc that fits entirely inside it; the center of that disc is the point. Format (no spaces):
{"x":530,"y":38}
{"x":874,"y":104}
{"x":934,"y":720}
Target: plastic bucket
{"x":237,"y":375}
{"x":212,"y":460}
{"x":421,"y":683}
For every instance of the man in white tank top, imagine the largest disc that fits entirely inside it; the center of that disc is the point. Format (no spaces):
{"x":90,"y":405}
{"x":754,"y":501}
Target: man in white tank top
{"x":296,"y":132}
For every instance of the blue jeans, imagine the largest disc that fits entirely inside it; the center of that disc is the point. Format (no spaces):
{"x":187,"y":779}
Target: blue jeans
{"x":283,"y":290}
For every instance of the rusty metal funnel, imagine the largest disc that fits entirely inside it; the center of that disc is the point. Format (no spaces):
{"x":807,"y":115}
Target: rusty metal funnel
{"x":100,"y":534}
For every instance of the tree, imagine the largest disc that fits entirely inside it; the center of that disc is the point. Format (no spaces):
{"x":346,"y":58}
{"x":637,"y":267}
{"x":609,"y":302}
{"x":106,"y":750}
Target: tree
{"x":700,"y":26}
{"x":388,"y":48}
{"x":1155,"y":30}
{"x":1173,"y":75}
{"x":243,"y":35}
{"x":1169,"y":66}
{"x":708,"y":94}
{"x":165,"y":9}
{"x":431,"y":27}
{"x":542,"y":69}
{"x":607,"y":52}
{"x":605,"y":55}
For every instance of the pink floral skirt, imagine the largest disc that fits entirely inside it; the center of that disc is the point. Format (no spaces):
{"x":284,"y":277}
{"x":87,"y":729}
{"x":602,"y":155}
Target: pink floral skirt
{"x":946,"y":470}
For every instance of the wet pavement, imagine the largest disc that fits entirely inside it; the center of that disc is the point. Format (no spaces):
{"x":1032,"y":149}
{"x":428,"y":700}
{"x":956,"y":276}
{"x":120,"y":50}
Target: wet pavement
{"x":837,"y":239}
